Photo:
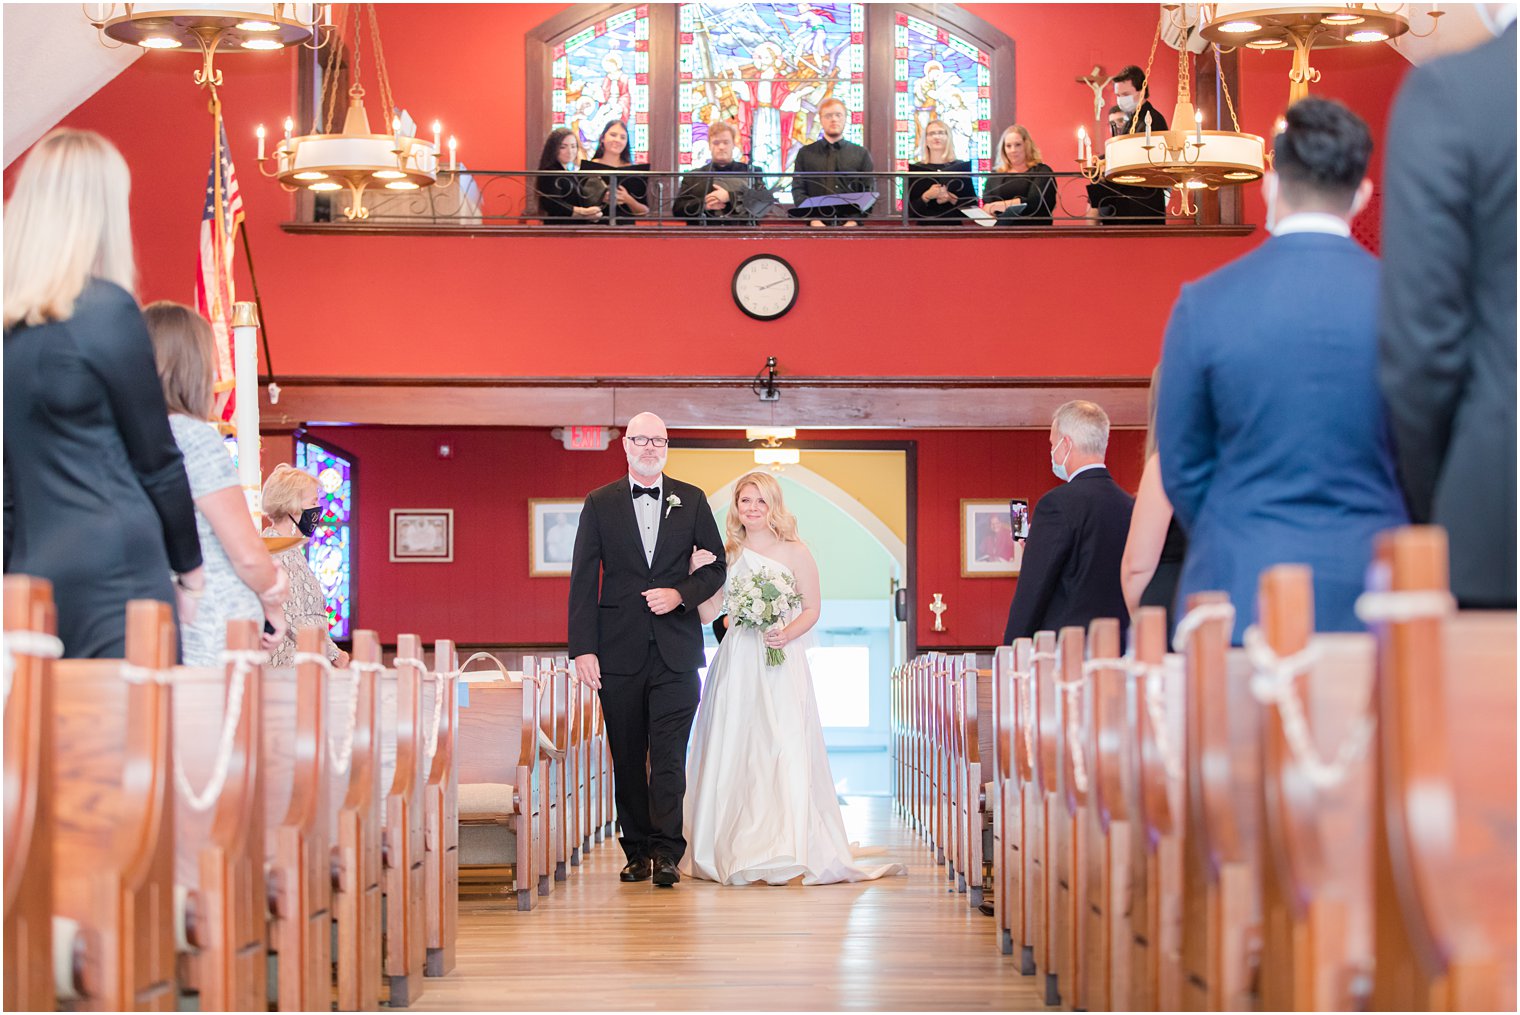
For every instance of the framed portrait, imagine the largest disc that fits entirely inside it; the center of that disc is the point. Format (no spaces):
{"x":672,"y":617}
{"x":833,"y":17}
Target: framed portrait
{"x":552,"y":524}
{"x":991,"y":547}
{"x":422,"y":535}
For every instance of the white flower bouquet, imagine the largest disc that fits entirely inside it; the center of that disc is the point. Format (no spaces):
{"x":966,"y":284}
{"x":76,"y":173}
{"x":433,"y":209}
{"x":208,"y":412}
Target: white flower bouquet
{"x":759,"y":600}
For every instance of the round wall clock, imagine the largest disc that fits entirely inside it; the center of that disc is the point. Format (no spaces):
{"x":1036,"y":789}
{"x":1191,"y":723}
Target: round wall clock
{"x":765,"y":287}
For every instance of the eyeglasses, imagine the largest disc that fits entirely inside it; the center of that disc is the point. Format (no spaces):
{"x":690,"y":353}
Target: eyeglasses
{"x":644,"y":442}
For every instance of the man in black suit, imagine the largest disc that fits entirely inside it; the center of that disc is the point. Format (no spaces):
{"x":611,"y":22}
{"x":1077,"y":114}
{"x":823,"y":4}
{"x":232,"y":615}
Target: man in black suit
{"x":1070,"y":573}
{"x":834,"y":155}
{"x":723,"y":192}
{"x":1447,"y":347}
{"x":636,"y":637}
{"x":1119,"y":204}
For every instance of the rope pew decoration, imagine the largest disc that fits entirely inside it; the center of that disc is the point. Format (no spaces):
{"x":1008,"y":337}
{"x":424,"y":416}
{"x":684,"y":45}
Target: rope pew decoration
{"x":442,"y":680}
{"x":28,"y":643}
{"x":342,"y":755}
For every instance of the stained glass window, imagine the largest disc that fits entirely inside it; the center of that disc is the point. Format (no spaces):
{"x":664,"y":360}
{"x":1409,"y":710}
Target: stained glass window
{"x":601,"y":74}
{"x":940,"y":76}
{"x":330,"y":550}
{"x":766,"y":67}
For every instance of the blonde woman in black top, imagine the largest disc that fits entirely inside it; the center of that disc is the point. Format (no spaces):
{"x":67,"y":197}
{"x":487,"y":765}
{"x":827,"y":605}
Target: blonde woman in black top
{"x":1022,"y":189}
{"x":938,"y":202}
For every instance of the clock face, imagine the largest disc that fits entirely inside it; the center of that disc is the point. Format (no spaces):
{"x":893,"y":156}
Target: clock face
{"x":765,"y":287}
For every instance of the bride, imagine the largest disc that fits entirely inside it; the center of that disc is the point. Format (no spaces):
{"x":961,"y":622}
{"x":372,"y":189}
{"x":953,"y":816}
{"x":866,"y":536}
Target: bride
{"x":760,"y":802}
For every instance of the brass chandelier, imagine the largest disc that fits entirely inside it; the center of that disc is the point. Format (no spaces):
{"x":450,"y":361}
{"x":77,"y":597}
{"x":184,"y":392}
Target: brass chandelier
{"x":356,"y":157}
{"x":1185,"y":156}
{"x":1304,"y":28}
{"x":212,"y":28}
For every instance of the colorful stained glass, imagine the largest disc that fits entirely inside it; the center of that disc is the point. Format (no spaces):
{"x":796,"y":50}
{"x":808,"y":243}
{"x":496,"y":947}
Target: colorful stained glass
{"x":601,"y":74}
{"x":766,"y":67}
{"x":940,"y":76}
{"x":330,"y":550}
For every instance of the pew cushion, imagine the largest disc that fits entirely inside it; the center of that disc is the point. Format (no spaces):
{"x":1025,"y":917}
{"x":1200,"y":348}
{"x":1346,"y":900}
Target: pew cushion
{"x":485,"y":801}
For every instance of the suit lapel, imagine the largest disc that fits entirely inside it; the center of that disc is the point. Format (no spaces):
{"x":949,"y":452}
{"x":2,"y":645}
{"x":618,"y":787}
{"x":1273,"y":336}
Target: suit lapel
{"x":624,"y":494}
{"x":664,"y":526}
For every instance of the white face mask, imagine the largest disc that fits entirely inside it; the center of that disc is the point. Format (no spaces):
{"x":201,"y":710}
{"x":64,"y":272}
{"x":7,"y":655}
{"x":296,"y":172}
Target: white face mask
{"x":1126,"y":102}
{"x":1059,"y":468}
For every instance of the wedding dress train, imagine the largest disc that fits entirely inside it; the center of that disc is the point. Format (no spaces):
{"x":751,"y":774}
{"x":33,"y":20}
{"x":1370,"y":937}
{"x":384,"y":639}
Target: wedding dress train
{"x":760,"y":802}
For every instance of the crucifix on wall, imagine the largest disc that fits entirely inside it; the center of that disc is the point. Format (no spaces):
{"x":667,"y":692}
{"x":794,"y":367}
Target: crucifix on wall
{"x":1095,"y":80}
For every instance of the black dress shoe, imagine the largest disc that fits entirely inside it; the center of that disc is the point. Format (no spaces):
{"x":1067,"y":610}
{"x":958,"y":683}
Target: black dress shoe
{"x":665,"y":873}
{"x":635,"y":870}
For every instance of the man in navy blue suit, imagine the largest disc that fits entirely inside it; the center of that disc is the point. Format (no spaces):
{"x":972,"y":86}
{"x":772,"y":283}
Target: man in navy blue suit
{"x":1070,"y":573}
{"x":1273,"y":435}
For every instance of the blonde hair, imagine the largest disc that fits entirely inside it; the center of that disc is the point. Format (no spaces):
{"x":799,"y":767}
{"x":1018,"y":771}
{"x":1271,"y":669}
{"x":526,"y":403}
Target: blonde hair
{"x":1031,"y":150}
{"x":923,"y":149}
{"x":185,"y":350}
{"x":284,"y":490}
{"x":66,"y":222}
{"x":781,"y":522}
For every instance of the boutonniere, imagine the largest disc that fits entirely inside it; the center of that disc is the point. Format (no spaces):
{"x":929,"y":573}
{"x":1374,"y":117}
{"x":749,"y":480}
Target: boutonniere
{"x":671,"y":503}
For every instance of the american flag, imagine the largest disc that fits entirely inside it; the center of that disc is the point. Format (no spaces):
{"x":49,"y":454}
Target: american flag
{"x":213,"y":276}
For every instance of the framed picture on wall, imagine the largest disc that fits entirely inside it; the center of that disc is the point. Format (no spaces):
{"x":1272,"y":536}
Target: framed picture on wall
{"x":990,"y":546}
{"x":552,"y":524}
{"x":422,"y":535}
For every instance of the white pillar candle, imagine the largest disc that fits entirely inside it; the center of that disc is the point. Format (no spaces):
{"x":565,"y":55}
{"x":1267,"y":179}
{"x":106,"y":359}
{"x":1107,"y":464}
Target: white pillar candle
{"x":260,"y":134}
{"x":453,"y":154}
{"x":1147,"y":128}
{"x":1198,"y":119}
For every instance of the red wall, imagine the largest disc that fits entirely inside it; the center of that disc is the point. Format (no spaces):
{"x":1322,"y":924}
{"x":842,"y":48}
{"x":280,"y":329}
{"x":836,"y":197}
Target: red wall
{"x":527,"y":305}
{"x":485,"y":595}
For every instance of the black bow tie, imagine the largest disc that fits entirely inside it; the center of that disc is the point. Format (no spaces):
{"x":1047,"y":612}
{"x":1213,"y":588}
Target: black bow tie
{"x":646,"y":491}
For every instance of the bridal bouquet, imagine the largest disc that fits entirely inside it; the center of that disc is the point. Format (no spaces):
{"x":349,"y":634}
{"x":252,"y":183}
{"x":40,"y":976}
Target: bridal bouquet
{"x":759,"y":600}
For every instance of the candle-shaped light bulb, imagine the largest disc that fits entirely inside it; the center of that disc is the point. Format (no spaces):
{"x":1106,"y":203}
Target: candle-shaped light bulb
{"x":259,"y":133}
{"x":437,"y":135}
{"x":1081,"y":144}
{"x":1198,"y":119}
{"x":396,"y":126}
{"x":1147,"y":129}
{"x":290,"y":125}
{"x":453,"y":154}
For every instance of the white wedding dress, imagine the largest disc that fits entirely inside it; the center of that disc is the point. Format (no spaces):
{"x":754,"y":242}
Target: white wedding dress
{"x":760,"y":801}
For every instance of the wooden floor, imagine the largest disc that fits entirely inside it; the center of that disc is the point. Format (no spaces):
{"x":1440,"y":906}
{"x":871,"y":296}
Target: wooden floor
{"x":596,"y":943}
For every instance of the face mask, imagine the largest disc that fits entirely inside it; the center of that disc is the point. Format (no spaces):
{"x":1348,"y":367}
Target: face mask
{"x":1059,"y":468}
{"x":1126,"y":102}
{"x":307,"y":523}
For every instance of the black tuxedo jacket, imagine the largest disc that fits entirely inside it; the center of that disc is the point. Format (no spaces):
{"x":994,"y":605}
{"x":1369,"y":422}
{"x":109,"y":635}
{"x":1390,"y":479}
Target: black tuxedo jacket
{"x":608,"y":576}
{"x":1448,"y":315}
{"x":1070,"y":574}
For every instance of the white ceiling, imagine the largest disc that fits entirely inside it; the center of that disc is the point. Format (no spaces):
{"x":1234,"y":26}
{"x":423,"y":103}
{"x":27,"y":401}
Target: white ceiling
{"x":53,"y":62}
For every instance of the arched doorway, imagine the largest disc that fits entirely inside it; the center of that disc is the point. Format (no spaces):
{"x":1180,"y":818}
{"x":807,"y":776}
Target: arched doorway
{"x":851,"y":511}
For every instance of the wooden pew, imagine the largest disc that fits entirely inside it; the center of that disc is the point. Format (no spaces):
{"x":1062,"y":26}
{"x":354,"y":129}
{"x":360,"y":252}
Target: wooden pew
{"x":575,"y":762}
{"x":298,"y":723}
{"x":30,"y":644}
{"x":1049,"y":943}
{"x":113,"y":855}
{"x":974,"y":750}
{"x":1068,"y":831}
{"x":1316,"y":874}
{"x":1221,"y":888}
{"x":1444,"y":847}
{"x":1155,"y":712}
{"x":217,"y":728}
{"x":1007,"y":827}
{"x":1105,"y":824}
{"x":1025,"y":824}
{"x":403,"y":830}
{"x":551,"y":706}
{"x":501,"y":785}
{"x":355,"y":792}
{"x":441,"y":801}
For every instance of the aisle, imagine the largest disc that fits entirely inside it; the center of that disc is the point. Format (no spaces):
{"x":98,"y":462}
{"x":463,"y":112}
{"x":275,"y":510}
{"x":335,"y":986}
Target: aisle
{"x":898,"y":943}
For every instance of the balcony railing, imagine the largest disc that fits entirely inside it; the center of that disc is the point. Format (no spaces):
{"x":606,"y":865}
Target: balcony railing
{"x":518,"y":200}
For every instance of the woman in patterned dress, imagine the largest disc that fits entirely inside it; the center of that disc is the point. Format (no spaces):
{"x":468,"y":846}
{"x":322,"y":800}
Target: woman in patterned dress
{"x":290,"y":503}
{"x":242,"y":580}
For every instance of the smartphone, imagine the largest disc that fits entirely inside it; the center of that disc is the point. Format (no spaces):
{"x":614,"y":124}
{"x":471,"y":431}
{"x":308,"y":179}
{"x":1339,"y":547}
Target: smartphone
{"x":1018,"y":514}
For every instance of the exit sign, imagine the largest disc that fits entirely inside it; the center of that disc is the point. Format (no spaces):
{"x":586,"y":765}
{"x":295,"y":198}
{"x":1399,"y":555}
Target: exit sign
{"x":585,"y":438}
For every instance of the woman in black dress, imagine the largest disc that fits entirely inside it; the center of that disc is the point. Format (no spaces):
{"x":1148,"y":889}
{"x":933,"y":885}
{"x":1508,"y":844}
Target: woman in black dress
{"x":565,"y":200}
{"x":1154,"y":551}
{"x":939,"y":201}
{"x":96,"y":497}
{"x":1022,"y":189}
{"x":632,"y":191}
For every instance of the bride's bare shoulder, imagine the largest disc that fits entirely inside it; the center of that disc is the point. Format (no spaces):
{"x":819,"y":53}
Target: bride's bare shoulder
{"x":795,"y":554}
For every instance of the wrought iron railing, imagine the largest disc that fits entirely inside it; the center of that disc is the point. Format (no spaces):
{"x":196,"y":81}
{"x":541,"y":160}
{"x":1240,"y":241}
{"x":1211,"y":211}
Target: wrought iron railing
{"x":517,"y":199}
